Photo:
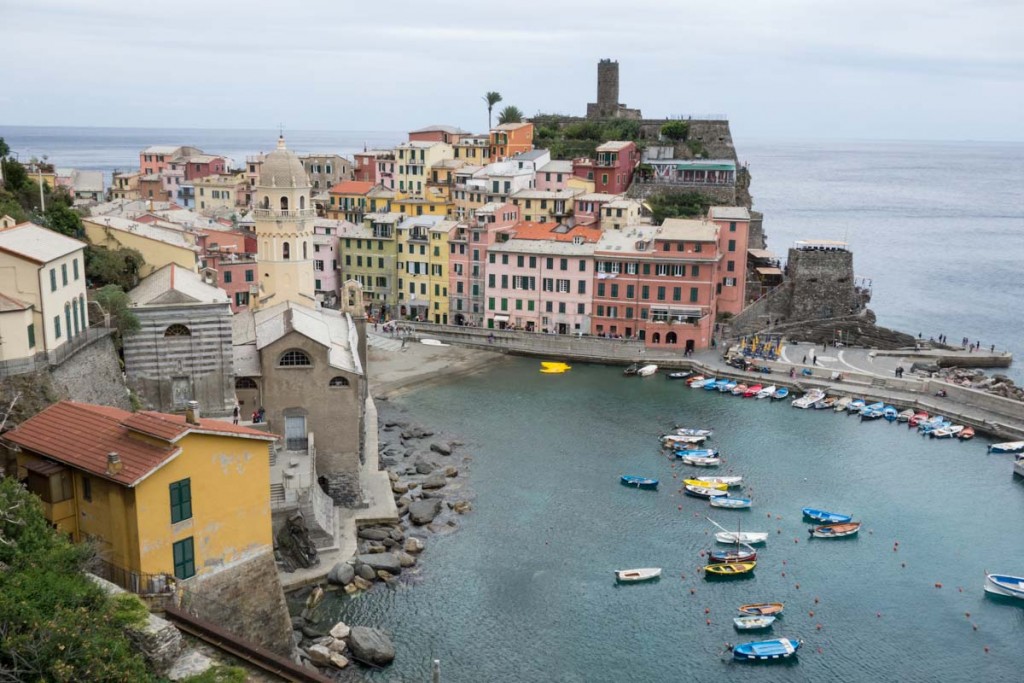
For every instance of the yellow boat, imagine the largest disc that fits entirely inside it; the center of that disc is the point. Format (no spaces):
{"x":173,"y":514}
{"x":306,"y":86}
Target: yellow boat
{"x":730,"y":569}
{"x":552,"y":368}
{"x":705,"y":484}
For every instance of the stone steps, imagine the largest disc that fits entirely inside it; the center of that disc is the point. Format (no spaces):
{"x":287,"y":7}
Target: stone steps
{"x":276,"y":493}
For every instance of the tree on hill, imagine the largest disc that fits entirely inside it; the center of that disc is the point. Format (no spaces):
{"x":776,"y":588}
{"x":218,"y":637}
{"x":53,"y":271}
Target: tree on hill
{"x":115,"y":302}
{"x":678,"y":205}
{"x":113,"y":266}
{"x":675,"y":130}
{"x":491,"y":98}
{"x":510,"y":114}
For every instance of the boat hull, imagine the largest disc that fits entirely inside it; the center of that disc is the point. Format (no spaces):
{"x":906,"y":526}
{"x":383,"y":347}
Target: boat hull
{"x":1004,"y":584}
{"x":637,"y":575}
{"x":753,"y":623}
{"x":733,"y":537}
{"x":766,"y":650}
{"x":639,"y":482}
{"x":762,"y":609}
{"x":701,"y":492}
{"x":726,"y":556}
{"x":731,"y":503}
{"x":825,"y":517}
{"x":1008,"y":447}
{"x":840,"y":530}
{"x":729,"y":570}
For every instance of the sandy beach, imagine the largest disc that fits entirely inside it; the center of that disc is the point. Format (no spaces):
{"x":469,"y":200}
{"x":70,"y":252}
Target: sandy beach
{"x":393,"y":370}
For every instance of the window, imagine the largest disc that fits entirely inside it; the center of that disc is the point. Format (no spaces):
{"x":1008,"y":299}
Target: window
{"x":177,"y":330}
{"x":561,"y":307}
{"x":662,"y":269}
{"x":550,"y":263}
{"x":56,"y":326}
{"x":338,"y":382}
{"x":227,"y":277}
{"x":294,"y":358}
{"x":630,"y":291}
{"x":533,"y":261}
{"x":581,"y":287}
{"x":732,"y":226}
{"x":519,"y":304}
{"x":181,"y":501}
{"x":287,"y":251}
{"x":678,"y":270}
{"x":563,"y":286}
{"x":693,"y":294}
{"x":730,"y":282}
{"x":549,"y":307}
{"x":64,"y":274}
{"x":732,"y":245}
{"x":615,"y":291}
{"x":184,"y":559}
{"x":645,"y":292}
{"x":581,"y":309}
{"x":631,"y":268}
{"x":677,"y":294}
{"x":563,"y":264}
{"x":53,"y":279}
{"x":249,"y":275}
{"x":647,"y":269}
{"x":695,"y":271}
{"x":730,"y":266}
{"x":661,"y":293}
{"x":316,"y":285}
{"x":318,"y":265}
{"x":490,"y":303}
{"x":600,"y":289}
{"x":86,"y":488}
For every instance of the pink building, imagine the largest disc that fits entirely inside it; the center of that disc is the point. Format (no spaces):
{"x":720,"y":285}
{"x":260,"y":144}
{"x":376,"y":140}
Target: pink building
{"x":554,"y":175}
{"x":228,"y":261}
{"x":376,"y":166}
{"x":734,"y":233}
{"x":612,"y":167}
{"x":326,"y":249}
{"x":588,"y":207}
{"x":541,"y":279}
{"x":468,"y":245}
{"x":439,"y":133}
{"x":202,"y":165}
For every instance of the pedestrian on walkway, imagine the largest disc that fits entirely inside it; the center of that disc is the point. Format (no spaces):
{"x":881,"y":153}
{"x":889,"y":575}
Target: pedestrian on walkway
{"x":234,"y":415}
{"x":993,"y":349}
{"x":804,"y":362}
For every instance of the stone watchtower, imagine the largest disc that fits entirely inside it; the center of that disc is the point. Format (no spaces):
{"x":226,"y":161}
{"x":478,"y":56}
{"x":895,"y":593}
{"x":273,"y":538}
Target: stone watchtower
{"x":821,"y":275}
{"x":607,"y":105}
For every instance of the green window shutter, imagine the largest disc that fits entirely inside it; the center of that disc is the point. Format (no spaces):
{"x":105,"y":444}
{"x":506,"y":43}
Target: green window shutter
{"x":693,"y":294}
{"x":32,"y":336}
{"x":181,"y":500}
{"x":529,"y":306}
{"x":184,"y":559}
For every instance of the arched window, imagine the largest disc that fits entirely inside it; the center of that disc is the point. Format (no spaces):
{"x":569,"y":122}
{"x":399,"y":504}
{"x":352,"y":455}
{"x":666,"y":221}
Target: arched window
{"x":266,"y":202}
{"x":177,"y":330}
{"x":338,"y":382}
{"x":671,"y":338}
{"x":656,"y":338}
{"x":284,"y":203}
{"x":245,"y":383}
{"x":305,"y":251}
{"x":287,"y":251}
{"x":302,"y":201}
{"x":294,"y":359}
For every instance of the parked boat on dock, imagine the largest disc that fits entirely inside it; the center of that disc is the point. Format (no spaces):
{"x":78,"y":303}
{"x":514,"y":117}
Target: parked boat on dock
{"x":966,"y":433}
{"x":1018,"y":465}
{"x":946,"y":432}
{"x":739,"y":389}
{"x":919,"y":417}
{"x":890,"y":413}
{"x":809,"y":399}
{"x":780,"y":393}
{"x":905,"y":415}
{"x":682,"y":374}
{"x":855,"y":405}
{"x":752,"y":391}
{"x":647,"y":370}
{"x":767,"y":392}
{"x":728,"y":387}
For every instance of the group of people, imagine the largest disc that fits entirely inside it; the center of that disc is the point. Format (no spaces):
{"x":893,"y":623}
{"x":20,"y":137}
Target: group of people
{"x":258,"y":415}
{"x":965,"y":343}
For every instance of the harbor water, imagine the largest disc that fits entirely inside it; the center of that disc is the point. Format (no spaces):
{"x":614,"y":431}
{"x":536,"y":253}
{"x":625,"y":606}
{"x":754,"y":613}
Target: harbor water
{"x":524,"y":589}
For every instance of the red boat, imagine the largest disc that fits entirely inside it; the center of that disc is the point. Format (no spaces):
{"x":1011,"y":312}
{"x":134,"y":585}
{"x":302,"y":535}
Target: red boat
{"x":917,"y":419}
{"x":966,"y":433}
{"x":752,"y":391}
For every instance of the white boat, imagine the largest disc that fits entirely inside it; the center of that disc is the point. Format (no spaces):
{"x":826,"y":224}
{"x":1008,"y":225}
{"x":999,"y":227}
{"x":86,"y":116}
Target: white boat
{"x":728,"y":481}
{"x":947,"y":432}
{"x":704,"y":492}
{"x":748,"y":537}
{"x":1018,"y":465}
{"x":693,"y":431}
{"x":669,"y":439}
{"x":432,"y":342}
{"x":766,"y":392}
{"x":1004,"y":584}
{"x":1007,"y":447}
{"x":647,"y":370}
{"x":731,"y":503}
{"x":905,"y":415}
{"x":700,"y":461}
{"x":810,"y":399}
{"x":635,"y":575}
{"x":841,"y":403}
{"x":698,"y":384}
{"x":753,"y":623}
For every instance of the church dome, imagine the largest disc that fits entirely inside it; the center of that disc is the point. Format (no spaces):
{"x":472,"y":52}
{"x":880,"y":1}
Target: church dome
{"x":283,"y":169}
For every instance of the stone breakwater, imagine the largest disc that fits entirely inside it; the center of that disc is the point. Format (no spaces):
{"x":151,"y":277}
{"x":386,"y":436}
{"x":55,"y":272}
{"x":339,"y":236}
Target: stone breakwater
{"x":426,"y":472}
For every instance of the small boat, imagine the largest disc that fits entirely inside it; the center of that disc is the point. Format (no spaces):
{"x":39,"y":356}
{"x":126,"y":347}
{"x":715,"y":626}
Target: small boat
{"x":762,"y":609}
{"x":728,"y":481}
{"x":739,"y":389}
{"x":766,"y":650}
{"x":432,"y":342}
{"x":751,"y":391}
{"x":690,"y":431}
{"x":1007,"y":447}
{"x":905,"y":415}
{"x":681,"y":441}
{"x":631,"y":370}
{"x":825,"y":517}
{"x":638,"y":482}
{"x":729,"y":569}
{"x":728,"y":387}
{"x":1004,"y":584}
{"x":1018,"y":465}
{"x":931,"y":423}
{"x":966,"y":433}
{"x":704,"y":484}
{"x":694,"y":378}
{"x":873,"y":406}
{"x":748,"y":537}
{"x":733,"y":503}
{"x":840,"y":530}
{"x":554,"y":368}
{"x":826,"y":403}
{"x":946,"y":432}
{"x":647,"y":370}
{"x":717,"y":385}
{"x":697,"y":453}
{"x":890,"y":413}
{"x":855,"y":406}
{"x":870,"y":414}
{"x":697,"y":461}
{"x":699,"y":383}
{"x":636,"y":575}
{"x":753,"y":623}
{"x":809,"y":399}
{"x":917,"y":419}
{"x":840,"y":405}
{"x":732,"y":555}
{"x":703,"y":492}
{"x":780,"y":393}
{"x":767,"y":392}
{"x":682,"y":374}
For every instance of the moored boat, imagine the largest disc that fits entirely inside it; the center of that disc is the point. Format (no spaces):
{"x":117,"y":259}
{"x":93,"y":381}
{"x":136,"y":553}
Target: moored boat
{"x":748,"y":537}
{"x":705,"y":484}
{"x":647,"y":370}
{"x":855,"y":405}
{"x":905,"y":415}
{"x":824,"y":516}
{"x":841,"y":403}
{"x":766,"y":650}
{"x":737,"y":554}
{"x":728,"y":481}
{"x":703,"y":491}
{"x":1007,"y":447}
{"x":691,"y":431}
{"x":696,"y":452}
{"x":682,"y":374}
{"x":767,"y":392}
{"x":636,"y":575}
{"x":697,"y":461}
{"x":890,"y":413}
{"x":780,"y":393}
{"x":717,"y":386}
{"x":966,"y":433}
{"x":709,"y":383}
{"x":681,"y":440}
{"x":752,"y":623}
{"x":728,"y":386}
{"x":752,"y":391}
{"x":917,"y":419}
{"x":1004,"y":584}
{"x":827,"y":403}
{"x":932,"y":423}
{"x":729,"y":569}
{"x":809,"y":400}
{"x":638,"y":482}
{"x":731,"y":502}
{"x":762,"y":609}
{"x":840,"y":530}
{"x":693,"y":378}
{"x":699,"y":383}
{"x":739,"y":389}
{"x":946,"y":432}
{"x":631,"y":370}
{"x":1018,"y":465}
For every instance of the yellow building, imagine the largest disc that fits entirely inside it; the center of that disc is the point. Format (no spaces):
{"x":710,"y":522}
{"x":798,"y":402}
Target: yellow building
{"x":442,"y":177}
{"x":542,"y":206}
{"x":473,"y":149}
{"x":415,"y":159}
{"x":620,"y":213}
{"x":220,"y":193}
{"x":125,"y":186}
{"x":348,"y":201}
{"x":430,"y":203}
{"x":158,"y":245}
{"x":423,"y":268}
{"x":160,"y":495}
{"x":367,"y":255}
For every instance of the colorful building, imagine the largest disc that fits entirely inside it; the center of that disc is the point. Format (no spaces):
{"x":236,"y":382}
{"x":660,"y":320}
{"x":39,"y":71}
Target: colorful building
{"x":554,"y":175}
{"x":220,"y":194}
{"x":622,"y":212}
{"x":154,"y":159}
{"x":158,"y":245}
{"x":202,"y":165}
{"x":326,"y":170}
{"x":126,"y":186}
{"x":423,"y":268}
{"x":545,"y":206}
{"x":612,"y":167}
{"x":587,"y":207}
{"x":228,"y":261}
{"x":348,"y":200}
{"x":438,"y":133}
{"x":510,"y":139}
{"x":326,"y":259}
{"x":475,"y":150}
{"x":158,"y":495}
{"x":369,"y":256}
{"x":734,"y":234}
{"x":415,"y":159}
{"x":468,"y":244}
{"x":375,"y":166}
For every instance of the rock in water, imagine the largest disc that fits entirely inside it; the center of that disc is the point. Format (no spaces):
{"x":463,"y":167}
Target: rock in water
{"x":423,"y":511}
{"x":424,"y":467}
{"x":440,"y":448}
{"x":315,"y":598}
{"x":361,"y":583}
{"x":413,"y":545}
{"x":386,"y":561}
{"x":371,"y":645}
{"x":341,"y":574}
{"x":319,"y":655}
{"x":340,"y":630}
{"x":405,"y":559}
{"x":435,"y":481}
{"x":366,"y":572}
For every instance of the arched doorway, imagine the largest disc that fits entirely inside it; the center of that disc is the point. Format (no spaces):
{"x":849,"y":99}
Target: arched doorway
{"x":671,"y":338}
{"x":656,"y":338}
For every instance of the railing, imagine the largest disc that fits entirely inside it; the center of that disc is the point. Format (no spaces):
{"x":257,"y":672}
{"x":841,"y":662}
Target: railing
{"x":285,"y":213}
{"x":54,"y":357}
{"x":139,"y":583}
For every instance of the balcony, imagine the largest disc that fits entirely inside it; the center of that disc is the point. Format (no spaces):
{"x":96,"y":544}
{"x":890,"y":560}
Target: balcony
{"x":284,"y":214}
{"x":139,"y":583}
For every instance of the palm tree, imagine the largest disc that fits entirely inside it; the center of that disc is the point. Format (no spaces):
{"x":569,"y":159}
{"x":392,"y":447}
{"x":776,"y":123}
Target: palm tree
{"x":491,"y":98}
{"x":510,"y":114}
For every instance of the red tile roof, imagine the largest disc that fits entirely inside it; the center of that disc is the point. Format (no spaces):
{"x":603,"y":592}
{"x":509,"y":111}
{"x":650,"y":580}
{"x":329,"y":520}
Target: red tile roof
{"x":528,"y":230}
{"x":352,"y":187}
{"x":81,"y":435}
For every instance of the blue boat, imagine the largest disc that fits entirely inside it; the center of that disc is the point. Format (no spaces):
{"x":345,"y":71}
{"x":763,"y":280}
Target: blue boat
{"x":855,"y":406}
{"x":890,"y":413}
{"x":780,"y":393}
{"x":766,"y":650}
{"x":638,"y":482}
{"x":727,"y":387}
{"x":697,"y":453}
{"x":711,"y":386}
{"x":825,"y":517}
{"x":937,"y":422}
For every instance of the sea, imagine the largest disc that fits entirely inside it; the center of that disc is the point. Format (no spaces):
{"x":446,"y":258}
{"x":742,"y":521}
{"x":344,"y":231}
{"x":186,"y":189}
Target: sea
{"x":524,"y":589}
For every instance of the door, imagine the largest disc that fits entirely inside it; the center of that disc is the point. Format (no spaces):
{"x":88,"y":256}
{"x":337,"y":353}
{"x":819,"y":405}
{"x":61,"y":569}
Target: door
{"x":295,"y":433}
{"x":689,"y":346}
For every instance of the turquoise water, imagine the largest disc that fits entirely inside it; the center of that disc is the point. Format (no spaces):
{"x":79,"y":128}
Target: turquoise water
{"x":524,"y":591}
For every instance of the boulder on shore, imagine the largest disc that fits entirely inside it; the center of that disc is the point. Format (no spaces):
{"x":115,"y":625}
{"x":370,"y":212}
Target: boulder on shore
{"x":341,"y":574}
{"x":423,"y":511}
{"x":424,"y":467}
{"x":441,"y":448}
{"x":386,"y":561}
{"x":371,"y":645}
{"x":413,"y":545}
{"x":366,"y":572}
{"x":319,"y":655}
{"x":340,"y":630}
{"x":435,"y":481}
{"x":373,"y":533}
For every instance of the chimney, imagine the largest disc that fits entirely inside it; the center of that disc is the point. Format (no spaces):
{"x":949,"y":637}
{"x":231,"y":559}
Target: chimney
{"x":192,"y":413}
{"x":113,"y":463}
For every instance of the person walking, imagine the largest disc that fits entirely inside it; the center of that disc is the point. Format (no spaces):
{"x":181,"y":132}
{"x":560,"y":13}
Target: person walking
{"x":234,"y":415}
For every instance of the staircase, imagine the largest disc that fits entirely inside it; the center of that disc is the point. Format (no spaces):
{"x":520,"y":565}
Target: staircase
{"x":276,"y":493}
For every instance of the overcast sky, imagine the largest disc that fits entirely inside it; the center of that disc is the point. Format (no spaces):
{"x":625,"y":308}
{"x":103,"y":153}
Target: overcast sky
{"x":850,"y":69}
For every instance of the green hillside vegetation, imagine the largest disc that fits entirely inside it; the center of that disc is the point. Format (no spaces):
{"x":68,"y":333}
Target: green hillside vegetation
{"x":678,"y":205}
{"x":581,"y":138}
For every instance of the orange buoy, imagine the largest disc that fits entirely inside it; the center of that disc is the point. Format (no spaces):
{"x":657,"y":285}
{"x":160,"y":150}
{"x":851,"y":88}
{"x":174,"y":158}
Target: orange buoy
{"x":811,"y":614}
{"x":708,"y":622}
{"x":974,"y":626}
{"x":680,"y":507}
{"x":707,"y":610}
{"x":798,"y":586}
{"x":938,"y":585}
{"x":693,"y":591}
{"x":817,"y":626}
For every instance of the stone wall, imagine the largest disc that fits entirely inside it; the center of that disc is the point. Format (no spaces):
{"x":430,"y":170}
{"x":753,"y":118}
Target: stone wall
{"x":856,"y":330}
{"x":822,"y":282}
{"x":246,"y":599}
{"x":720,"y":195}
{"x":92,"y":375}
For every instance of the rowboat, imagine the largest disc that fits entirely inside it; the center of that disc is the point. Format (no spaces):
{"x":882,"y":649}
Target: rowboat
{"x":840,"y":530}
{"x":946,"y":432}
{"x":694,"y":378}
{"x":739,"y":389}
{"x":855,"y":405}
{"x":905,"y":415}
{"x":730,"y":502}
{"x":717,"y":386}
{"x":736,"y":554}
{"x":690,"y":431}
{"x":681,"y":441}
{"x":890,"y":413}
{"x":728,"y":481}
{"x":809,"y":399}
{"x":1007,"y":447}
{"x":748,"y":537}
{"x":631,"y":370}
{"x":766,"y":392}
{"x":728,"y":387}
{"x":840,"y":405}
{"x":870,"y":414}
{"x":1004,"y":584}
{"x":966,"y":434}
{"x":729,"y":569}
{"x":704,"y":483}
{"x":710,"y":385}
{"x":762,"y":609}
{"x":553,"y":368}
{"x":825,"y":517}
{"x":647,"y":370}
{"x":703,"y":492}
{"x":766,"y":650}
{"x":638,"y":482}
{"x":699,"y":383}
{"x":780,"y":393}
{"x":752,"y":391}
{"x":697,"y":452}
{"x":682,"y":374}
{"x":919,"y":417}
{"x":826,"y":403}
{"x":931,"y":423}
{"x":753,"y":623}
{"x":873,"y":406}
{"x":701,"y":462}
{"x":635,"y":575}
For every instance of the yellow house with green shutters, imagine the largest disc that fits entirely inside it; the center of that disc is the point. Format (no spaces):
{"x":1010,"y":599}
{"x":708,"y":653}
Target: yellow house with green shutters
{"x":368,"y":255}
{"x":423,"y":268}
{"x":160,"y":495}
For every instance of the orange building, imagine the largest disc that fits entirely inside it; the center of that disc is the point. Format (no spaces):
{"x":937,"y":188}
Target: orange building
{"x":509,"y":139}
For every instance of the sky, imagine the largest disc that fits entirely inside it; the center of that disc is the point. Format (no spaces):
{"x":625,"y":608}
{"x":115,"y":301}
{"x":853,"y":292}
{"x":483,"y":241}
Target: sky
{"x":778,"y":69}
